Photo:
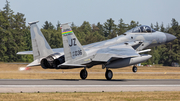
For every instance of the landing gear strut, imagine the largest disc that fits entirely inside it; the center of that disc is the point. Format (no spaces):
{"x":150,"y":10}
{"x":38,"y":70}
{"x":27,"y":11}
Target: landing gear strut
{"x":134,"y":69}
{"x":83,"y":74}
{"x":108,"y":74}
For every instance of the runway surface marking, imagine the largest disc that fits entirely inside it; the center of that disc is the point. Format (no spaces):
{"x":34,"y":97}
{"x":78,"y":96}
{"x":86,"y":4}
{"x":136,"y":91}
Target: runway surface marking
{"x":21,"y":86}
{"x":98,"y":85}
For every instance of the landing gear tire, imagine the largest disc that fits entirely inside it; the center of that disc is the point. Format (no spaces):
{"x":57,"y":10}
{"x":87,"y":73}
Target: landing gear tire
{"x":134,"y":69}
{"x":109,"y":74}
{"x":83,"y":74}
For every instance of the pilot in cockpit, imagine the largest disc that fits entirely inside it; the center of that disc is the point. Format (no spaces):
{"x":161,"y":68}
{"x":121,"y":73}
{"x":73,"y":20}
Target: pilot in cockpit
{"x":143,"y":29}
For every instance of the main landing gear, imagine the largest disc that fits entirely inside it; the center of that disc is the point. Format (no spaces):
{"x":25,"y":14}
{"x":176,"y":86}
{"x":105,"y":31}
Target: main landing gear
{"x":83,"y":74}
{"x":108,"y":74}
{"x":134,"y":69}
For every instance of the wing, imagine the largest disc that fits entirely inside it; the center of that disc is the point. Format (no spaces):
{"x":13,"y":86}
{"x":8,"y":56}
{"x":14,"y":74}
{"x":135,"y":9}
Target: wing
{"x":115,"y":52}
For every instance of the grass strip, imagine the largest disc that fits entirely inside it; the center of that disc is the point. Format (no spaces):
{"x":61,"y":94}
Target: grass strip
{"x":104,"y":96}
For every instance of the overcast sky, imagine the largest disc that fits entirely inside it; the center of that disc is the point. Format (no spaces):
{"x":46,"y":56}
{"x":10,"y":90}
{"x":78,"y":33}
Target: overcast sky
{"x":94,"y":11}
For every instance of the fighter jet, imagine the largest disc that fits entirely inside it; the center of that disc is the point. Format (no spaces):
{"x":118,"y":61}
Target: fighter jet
{"x":121,"y":51}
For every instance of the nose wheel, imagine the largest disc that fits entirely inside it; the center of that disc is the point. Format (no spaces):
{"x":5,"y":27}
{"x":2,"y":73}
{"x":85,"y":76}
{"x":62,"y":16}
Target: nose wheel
{"x":109,"y":74}
{"x":134,"y":69}
{"x":83,"y":74}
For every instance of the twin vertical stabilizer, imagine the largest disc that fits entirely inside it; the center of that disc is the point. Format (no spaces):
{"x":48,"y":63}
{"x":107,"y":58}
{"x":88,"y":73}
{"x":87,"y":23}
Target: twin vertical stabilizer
{"x":72,"y":47}
{"x":73,"y":50}
{"x":40,"y":46}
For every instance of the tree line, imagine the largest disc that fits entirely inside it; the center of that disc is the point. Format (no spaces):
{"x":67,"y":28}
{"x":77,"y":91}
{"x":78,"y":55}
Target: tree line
{"x":15,"y":36}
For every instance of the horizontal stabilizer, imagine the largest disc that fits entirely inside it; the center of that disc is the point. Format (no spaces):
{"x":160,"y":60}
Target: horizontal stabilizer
{"x":71,"y":65}
{"x":56,"y":50}
{"x":25,"y":53}
{"x":34,"y":63}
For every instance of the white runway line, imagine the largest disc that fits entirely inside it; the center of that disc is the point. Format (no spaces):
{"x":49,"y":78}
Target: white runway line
{"x":22,"y":86}
{"x":85,"y":88}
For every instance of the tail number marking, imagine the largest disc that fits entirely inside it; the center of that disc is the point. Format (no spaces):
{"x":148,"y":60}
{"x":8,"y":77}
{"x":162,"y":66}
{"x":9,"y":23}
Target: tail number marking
{"x":73,"y":42}
{"x":77,"y":53}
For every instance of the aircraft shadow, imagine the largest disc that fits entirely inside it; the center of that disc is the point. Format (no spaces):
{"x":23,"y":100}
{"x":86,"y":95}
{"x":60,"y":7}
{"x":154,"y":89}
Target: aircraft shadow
{"x":88,"y":80}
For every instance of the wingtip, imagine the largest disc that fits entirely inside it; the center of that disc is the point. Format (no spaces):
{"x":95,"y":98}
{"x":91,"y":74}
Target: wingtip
{"x":66,"y":23}
{"x":34,"y":22}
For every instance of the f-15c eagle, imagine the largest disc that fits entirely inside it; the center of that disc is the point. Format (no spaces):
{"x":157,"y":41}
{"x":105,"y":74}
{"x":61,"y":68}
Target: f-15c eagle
{"x":121,"y":51}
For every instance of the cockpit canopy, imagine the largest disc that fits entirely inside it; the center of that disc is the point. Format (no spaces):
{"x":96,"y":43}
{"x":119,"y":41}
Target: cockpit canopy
{"x":143,"y":29}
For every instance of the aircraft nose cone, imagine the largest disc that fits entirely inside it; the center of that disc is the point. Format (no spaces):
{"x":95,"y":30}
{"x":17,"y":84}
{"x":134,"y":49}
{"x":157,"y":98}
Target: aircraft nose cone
{"x":169,"y":37}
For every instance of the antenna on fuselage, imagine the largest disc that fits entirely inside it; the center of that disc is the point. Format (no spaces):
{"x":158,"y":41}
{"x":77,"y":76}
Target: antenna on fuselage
{"x":117,"y":37}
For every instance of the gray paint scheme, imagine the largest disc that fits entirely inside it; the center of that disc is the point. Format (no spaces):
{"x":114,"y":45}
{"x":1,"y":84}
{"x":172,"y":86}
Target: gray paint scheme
{"x":39,"y":45}
{"x":69,"y":51}
{"x":118,"y":52}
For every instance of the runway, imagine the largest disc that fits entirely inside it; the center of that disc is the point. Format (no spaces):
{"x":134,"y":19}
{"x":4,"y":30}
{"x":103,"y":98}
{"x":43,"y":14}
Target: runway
{"x":93,"y":85}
